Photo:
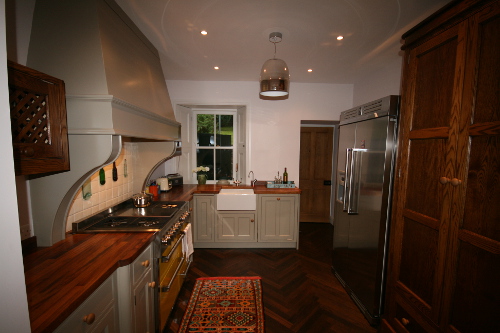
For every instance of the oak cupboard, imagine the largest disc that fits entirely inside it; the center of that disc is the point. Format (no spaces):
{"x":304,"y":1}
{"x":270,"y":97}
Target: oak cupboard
{"x":38,"y":121}
{"x":274,"y":224}
{"x":444,"y":261}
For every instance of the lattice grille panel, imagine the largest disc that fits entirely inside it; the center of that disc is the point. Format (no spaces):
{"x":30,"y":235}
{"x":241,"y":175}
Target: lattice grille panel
{"x":29,"y":117}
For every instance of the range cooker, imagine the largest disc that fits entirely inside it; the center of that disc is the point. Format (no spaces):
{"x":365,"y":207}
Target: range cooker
{"x":170,"y":221}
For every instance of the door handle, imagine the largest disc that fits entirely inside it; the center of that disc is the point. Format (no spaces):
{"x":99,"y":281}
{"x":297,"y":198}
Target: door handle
{"x":348,"y":155}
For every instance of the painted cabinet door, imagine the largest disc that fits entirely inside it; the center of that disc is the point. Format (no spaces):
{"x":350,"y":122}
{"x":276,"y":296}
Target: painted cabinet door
{"x":144,"y":304}
{"x":97,"y":314}
{"x":278,"y":219}
{"x":204,"y":218}
{"x":236,"y":227}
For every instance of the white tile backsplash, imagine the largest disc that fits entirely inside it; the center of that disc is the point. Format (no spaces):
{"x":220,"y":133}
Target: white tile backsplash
{"x":109,"y":194}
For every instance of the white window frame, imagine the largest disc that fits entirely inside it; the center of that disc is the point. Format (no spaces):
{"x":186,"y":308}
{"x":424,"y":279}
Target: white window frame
{"x":234,"y":147}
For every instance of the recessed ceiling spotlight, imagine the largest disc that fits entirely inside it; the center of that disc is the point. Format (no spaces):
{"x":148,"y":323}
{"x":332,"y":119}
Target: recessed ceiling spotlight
{"x":204,"y":32}
{"x":340,"y":37}
{"x":216,"y":67}
{"x":309,"y":70}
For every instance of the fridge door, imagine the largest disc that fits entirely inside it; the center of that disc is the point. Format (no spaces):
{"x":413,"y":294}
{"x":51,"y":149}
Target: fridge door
{"x":359,"y":250}
{"x":347,"y":135}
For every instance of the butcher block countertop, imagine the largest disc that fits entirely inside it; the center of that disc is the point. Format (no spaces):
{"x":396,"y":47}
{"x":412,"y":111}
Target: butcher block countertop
{"x":59,"y":278}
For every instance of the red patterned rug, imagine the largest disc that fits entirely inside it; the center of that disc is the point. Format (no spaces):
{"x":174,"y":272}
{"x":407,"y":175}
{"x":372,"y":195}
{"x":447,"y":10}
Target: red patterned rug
{"x":225,"y":305}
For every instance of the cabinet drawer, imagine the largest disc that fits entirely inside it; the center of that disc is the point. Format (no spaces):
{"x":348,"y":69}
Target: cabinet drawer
{"x":141,"y":265}
{"x":100,"y":304}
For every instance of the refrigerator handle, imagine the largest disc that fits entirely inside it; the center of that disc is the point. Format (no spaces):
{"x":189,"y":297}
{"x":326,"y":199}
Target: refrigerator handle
{"x":355,"y":172}
{"x":347,"y":182}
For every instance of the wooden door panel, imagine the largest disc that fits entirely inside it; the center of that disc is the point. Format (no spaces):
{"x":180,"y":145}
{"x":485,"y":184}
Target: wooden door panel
{"x":435,"y":83}
{"x":418,"y":259}
{"x":488,"y":85}
{"x":425,"y":166}
{"x":476,"y":301}
{"x":316,"y":149}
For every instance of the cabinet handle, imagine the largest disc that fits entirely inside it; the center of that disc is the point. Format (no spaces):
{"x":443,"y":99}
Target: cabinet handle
{"x":145,"y":263}
{"x":278,"y":199}
{"x":89,"y":319}
{"x":444,"y":180}
{"x":252,"y":220}
{"x":405,"y":321}
{"x":456,"y":182}
{"x":152,"y":284}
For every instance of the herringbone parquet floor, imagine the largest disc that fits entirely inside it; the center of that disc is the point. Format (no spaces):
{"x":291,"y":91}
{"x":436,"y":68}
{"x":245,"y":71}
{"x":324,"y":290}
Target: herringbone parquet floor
{"x":300,"y":292}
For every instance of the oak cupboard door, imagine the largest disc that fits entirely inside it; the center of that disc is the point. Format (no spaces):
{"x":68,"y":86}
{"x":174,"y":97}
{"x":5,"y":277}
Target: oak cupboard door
{"x":236,"y":226}
{"x":472,"y":293}
{"x":278,"y":218}
{"x":204,"y":217}
{"x":38,"y":121}
{"x":428,"y":150}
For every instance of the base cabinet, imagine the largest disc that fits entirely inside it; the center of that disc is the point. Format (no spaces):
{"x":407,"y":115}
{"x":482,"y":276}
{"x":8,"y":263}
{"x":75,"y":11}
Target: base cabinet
{"x":237,"y":226}
{"x":136,"y":288}
{"x":274,"y":224}
{"x":99,"y":312}
{"x":278,"y":218}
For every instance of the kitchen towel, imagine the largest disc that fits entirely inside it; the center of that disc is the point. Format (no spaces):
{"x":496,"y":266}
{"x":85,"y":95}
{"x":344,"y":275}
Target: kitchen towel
{"x":187,"y":242}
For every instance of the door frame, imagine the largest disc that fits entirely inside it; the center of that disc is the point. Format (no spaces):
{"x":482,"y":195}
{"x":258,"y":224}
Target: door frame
{"x":335,"y":125}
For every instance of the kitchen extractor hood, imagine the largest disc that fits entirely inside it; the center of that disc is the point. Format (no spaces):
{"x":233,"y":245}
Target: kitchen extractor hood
{"x":114,"y":88}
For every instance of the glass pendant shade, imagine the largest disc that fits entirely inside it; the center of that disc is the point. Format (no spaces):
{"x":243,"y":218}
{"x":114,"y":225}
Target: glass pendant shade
{"x":274,"y":78}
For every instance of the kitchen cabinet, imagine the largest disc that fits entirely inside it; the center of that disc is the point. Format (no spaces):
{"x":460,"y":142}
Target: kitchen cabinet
{"x":136,"y":294}
{"x":236,"y":226}
{"x":444,"y":259}
{"x":274,"y":224}
{"x":99,"y":312}
{"x":38,"y":121}
{"x":203,"y":217}
{"x":278,"y":217}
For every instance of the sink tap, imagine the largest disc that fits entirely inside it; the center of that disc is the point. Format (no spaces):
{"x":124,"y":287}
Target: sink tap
{"x":253,"y":182}
{"x":236,"y":182}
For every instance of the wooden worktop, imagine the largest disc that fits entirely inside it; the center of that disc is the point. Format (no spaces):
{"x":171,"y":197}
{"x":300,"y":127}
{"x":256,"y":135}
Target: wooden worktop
{"x":59,"y":278}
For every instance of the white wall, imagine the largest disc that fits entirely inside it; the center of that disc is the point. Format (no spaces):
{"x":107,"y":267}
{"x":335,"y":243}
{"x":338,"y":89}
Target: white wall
{"x":13,"y":302}
{"x":274,"y":126}
{"x":382,"y":82}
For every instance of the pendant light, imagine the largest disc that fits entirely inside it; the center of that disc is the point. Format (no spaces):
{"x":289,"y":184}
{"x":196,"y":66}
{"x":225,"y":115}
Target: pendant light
{"x":274,"y":76}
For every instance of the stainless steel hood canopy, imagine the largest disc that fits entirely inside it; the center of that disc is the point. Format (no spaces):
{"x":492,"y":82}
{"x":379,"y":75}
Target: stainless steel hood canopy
{"x":114,"y":87}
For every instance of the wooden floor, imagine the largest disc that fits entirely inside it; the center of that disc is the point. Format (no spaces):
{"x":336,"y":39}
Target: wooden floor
{"x":300,"y":292}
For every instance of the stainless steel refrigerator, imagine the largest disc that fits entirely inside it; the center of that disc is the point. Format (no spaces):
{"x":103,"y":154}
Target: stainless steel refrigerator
{"x":365,"y":163}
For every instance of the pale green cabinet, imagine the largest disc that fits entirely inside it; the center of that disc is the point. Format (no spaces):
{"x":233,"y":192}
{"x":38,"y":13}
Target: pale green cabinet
{"x":236,"y":226}
{"x":203,"y":217}
{"x":274,"y":224}
{"x":99,"y":312}
{"x":136,"y":288}
{"x":278,"y":217}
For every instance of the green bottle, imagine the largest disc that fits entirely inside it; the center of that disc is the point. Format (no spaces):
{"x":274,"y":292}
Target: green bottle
{"x":102,"y":177}
{"x":285,"y":177}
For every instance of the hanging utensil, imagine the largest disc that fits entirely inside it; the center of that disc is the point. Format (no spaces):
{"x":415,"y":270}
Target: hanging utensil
{"x":115,"y":172}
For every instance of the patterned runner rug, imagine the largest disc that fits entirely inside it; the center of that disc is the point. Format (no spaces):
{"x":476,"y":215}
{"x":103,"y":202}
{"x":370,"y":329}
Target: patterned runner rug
{"x":224,"y":305}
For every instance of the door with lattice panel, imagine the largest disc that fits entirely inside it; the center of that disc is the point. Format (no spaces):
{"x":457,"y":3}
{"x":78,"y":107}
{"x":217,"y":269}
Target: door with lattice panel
{"x":38,"y":121}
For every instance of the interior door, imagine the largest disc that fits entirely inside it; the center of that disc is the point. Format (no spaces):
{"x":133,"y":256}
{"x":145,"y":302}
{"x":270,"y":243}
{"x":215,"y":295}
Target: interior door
{"x":316,"y":151}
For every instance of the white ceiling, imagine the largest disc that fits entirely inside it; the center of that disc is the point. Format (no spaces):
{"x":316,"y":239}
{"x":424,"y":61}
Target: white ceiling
{"x":238,"y":36}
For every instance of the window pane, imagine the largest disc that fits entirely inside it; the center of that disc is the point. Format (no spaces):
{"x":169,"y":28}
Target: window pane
{"x":224,"y":130}
{"x":205,"y":157}
{"x":205,"y":129}
{"x":224,"y":158}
